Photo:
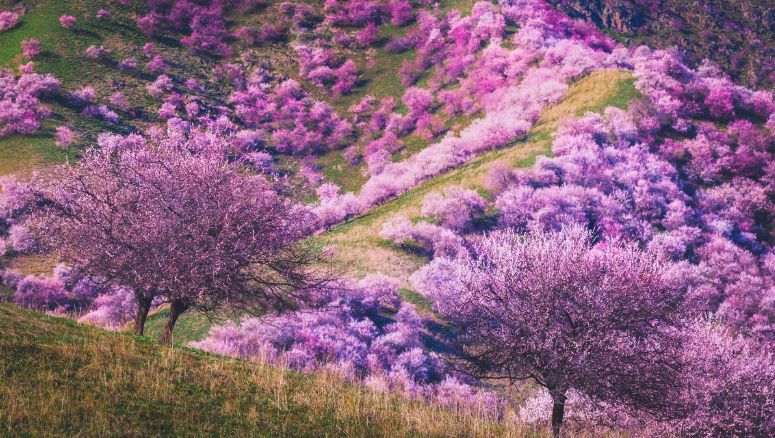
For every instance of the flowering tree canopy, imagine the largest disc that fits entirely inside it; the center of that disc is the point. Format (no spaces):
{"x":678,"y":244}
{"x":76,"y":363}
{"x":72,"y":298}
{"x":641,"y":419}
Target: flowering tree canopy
{"x":174,"y":220}
{"x":551,"y":307}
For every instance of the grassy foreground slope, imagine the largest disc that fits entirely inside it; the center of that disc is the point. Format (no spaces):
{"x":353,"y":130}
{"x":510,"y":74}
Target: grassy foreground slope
{"x":59,"y":378}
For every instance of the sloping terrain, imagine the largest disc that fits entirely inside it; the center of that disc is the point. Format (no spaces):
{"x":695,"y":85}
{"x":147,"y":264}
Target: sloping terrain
{"x":63,"y":56}
{"x":59,"y":378}
{"x":358,"y":246}
{"x":408,"y":133}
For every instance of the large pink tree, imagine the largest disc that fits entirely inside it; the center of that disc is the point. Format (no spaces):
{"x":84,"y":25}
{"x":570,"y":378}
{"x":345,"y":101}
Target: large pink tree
{"x":174,"y":220}
{"x":602,"y":320}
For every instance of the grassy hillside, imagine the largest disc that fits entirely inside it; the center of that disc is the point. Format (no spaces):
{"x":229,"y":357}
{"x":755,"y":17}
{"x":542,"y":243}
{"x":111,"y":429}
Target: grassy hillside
{"x":60,"y":378}
{"x":360,"y":250}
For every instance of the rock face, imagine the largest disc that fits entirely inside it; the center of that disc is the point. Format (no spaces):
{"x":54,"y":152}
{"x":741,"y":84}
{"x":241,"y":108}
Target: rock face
{"x":737,"y":35}
{"x":619,"y":16}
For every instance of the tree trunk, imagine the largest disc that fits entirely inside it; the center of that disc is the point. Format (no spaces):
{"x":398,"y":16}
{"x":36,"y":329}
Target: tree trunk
{"x":143,"y":307}
{"x":558,"y":411}
{"x":177,"y":307}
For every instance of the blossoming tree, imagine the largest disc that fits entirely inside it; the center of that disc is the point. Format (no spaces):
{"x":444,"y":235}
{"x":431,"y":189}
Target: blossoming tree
{"x":174,"y":220}
{"x":602,"y":320}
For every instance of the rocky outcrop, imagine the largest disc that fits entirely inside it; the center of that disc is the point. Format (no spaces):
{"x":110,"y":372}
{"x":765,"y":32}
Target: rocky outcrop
{"x":620,"y":16}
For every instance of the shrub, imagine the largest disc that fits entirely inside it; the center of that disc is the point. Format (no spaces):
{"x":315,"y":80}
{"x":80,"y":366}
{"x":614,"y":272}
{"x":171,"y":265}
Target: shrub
{"x":30,"y":48}
{"x":64,"y":137}
{"x":67,"y":21}
{"x":8,"y":20}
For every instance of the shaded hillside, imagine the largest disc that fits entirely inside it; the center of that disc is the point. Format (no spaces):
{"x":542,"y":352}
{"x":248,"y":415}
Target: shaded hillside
{"x":738,"y":35}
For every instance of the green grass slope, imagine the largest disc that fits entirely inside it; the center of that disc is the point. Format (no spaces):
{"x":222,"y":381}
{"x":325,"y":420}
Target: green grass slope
{"x":358,"y":248}
{"x":59,"y":378}
{"x":63,"y":56}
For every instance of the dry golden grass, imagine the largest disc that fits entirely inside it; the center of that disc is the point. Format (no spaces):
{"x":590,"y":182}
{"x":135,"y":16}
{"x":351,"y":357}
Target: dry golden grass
{"x":360,"y":250}
{"x":38,"y":264}
{"x":58,"y":378}
{"x":18,"y":157}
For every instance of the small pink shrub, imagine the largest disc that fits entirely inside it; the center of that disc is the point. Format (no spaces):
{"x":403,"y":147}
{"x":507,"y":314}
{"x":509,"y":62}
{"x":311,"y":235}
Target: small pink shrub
{"x":67,"y":21}
{"x":30,"y":48}
{"x":64,"y":137}
{"x":8,"y":20}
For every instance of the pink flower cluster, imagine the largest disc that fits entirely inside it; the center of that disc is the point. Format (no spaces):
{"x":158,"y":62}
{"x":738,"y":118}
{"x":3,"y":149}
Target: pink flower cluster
{"x":129,"y":63}
{"x":730,"y":381}
{"x":727,"y":385}
{"x":203,"y":25}
{"x":333,"y":207}
{"x":30,"y":48}
{"x":65,"y":291}
{"x":8,"y":20}
{"x":358,"y":13}
{"x":111,"y":310}
{"x":83,"y":95}
{"x":679,"y":94}
{"x":101,"y":112}
{"x":20,"y":108}
{"x":456,"y":209}
{"x":67,"y":21}
{"x":15,"y":204}
{"x":161,"y":86}
{"x":352,"y":336}
{"x":61,"y":293}
{"x":508,"y":85}
{"x":703,"y":199}
{"x":64,"y":136}
{"x":326,"y":70}
{"x":294,"y":121}
{"x":433,"y":240}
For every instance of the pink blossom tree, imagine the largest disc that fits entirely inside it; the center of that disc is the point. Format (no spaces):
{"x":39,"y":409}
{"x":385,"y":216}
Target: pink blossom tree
{"x":174,"y":220}
{"x":727,"y":388}
{"x":118,"y":100}
{"x":8,"y":20}
{"x":600,"y":320}
{"x":367,"y":36}
{"x":64,"y":136}
{"x":67,"y":21}
{"x":30,"y":48}
{"x":456,"y":209}
{"x":129,"y":63}
{"x":20,"y":107}
{"x":156,"y":64}
{"x":27,"y":68}
{"x":401,"y":12}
